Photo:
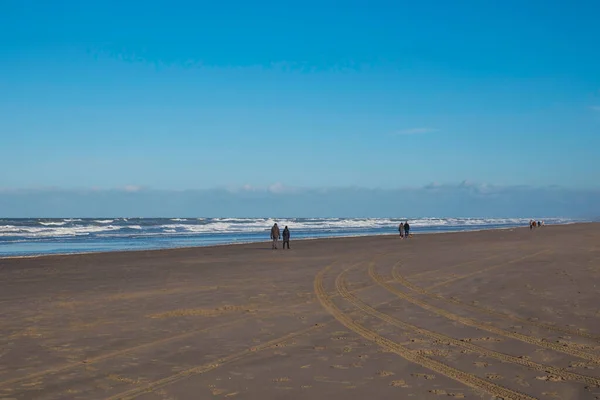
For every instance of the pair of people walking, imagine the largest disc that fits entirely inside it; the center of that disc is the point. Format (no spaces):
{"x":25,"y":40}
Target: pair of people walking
{"x":275,"y":236}
{"x":404,"y":229}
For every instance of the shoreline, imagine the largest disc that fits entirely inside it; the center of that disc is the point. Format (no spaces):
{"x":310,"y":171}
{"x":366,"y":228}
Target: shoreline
{"x":221,"y":245}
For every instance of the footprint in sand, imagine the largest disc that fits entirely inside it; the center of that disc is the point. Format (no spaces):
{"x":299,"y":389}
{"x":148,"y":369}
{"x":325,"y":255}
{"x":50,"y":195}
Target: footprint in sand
{"x":493,"y":377}
{"x":440,"y":392}
{"x":339,"y":333}
{"x":339,"y":366}
{"x":551,"y":394}
{"x":521,"y":381}
{"x":434,"y":352}
{"x":480,"y":364}
{"x":481,"y":339}
{"x":399,"y":383}
{"x":284,"y":379}
{"x":216,"y":392}
{"x":384,"y":373}
{"x":339,"y":338}
{"x":550,"y":378}
{"x":425,"y":376}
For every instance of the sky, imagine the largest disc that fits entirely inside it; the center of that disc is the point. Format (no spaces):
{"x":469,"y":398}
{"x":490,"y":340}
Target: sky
{"x":110,"y":98}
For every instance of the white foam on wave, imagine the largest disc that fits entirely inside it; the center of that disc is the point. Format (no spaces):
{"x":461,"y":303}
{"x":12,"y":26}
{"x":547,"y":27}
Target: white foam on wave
{"x":36,"y":232}
{"x":234,"y":226}
{"x":52,"y":223}
{"x":241,"y":225}
{"x":104,"y":221}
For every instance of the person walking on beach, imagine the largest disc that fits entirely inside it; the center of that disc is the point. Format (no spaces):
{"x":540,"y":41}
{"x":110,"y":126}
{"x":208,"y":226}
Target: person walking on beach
{"x":286,"y":237}
{"x":275,"y":235}
{"x":406,"y":229}
{"x":401,"y":230}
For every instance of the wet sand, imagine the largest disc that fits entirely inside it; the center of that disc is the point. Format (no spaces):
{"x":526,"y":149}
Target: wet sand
{"x":507,"y":313}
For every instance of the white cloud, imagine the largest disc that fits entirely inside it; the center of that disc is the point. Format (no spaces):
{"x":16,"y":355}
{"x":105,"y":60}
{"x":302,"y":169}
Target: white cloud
{"x":438,"y":199}
{"x":416,"y":131}
{"x":277,"y":188}
{"x":132,"y":188}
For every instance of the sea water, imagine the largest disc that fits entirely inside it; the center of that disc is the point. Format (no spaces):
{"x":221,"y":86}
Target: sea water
{"x":23,"y":237}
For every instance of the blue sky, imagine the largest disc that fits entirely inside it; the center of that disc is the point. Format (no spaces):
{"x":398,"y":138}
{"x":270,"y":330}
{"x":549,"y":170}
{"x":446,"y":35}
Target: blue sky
{"x":377,"y":95}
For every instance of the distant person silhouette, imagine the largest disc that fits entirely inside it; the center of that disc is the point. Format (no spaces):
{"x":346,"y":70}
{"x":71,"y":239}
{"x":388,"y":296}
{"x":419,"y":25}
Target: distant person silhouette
{"x":401,"y":229}
{"x":275,"y":235}
{"x":406,"y":229}
{"x":286,"y":237}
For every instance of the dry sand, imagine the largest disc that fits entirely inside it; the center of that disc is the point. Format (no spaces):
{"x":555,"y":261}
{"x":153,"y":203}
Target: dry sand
{"x":507,"y":313}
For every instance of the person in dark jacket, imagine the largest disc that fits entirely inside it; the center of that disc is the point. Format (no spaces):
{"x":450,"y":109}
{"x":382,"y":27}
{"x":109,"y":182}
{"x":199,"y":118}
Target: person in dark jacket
{"x":406,"y":229}
{"x":275,"y":235}
{"x":286,"y":237}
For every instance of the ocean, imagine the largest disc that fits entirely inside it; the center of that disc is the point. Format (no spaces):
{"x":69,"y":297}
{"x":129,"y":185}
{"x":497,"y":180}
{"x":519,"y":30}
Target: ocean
{"x":27,"y":237}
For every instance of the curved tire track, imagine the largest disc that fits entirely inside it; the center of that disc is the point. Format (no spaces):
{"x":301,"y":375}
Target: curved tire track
{"x":358,"y":303}
{"x":410,"y":355}
{"x":133,"y":393}
{"x":480,"y":271}
{"x":476,"y":324}
{"x":572,"y":331}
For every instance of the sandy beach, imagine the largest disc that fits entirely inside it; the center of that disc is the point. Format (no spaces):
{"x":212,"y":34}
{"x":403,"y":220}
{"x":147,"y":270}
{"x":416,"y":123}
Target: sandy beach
{"x":507,"y":313}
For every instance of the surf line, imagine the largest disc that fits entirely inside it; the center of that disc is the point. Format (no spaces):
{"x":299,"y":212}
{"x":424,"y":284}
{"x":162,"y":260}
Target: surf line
{"x":410,"y":355}
{"x":476,"y":324}
{"x":572,"y":331}
{"x":342,"y":288}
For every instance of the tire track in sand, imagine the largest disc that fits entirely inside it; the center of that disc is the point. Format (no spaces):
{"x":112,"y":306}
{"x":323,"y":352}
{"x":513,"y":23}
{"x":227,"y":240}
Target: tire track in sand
{"x":411,"y":355}
{"x":480,"y":325}
{"x":433,"y":271}
{"x":360,"y":304}
{"x":480,"y":271}
{"x":88,"y":361}
{"x":572,"y":331}
{"x":133,"y":393}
